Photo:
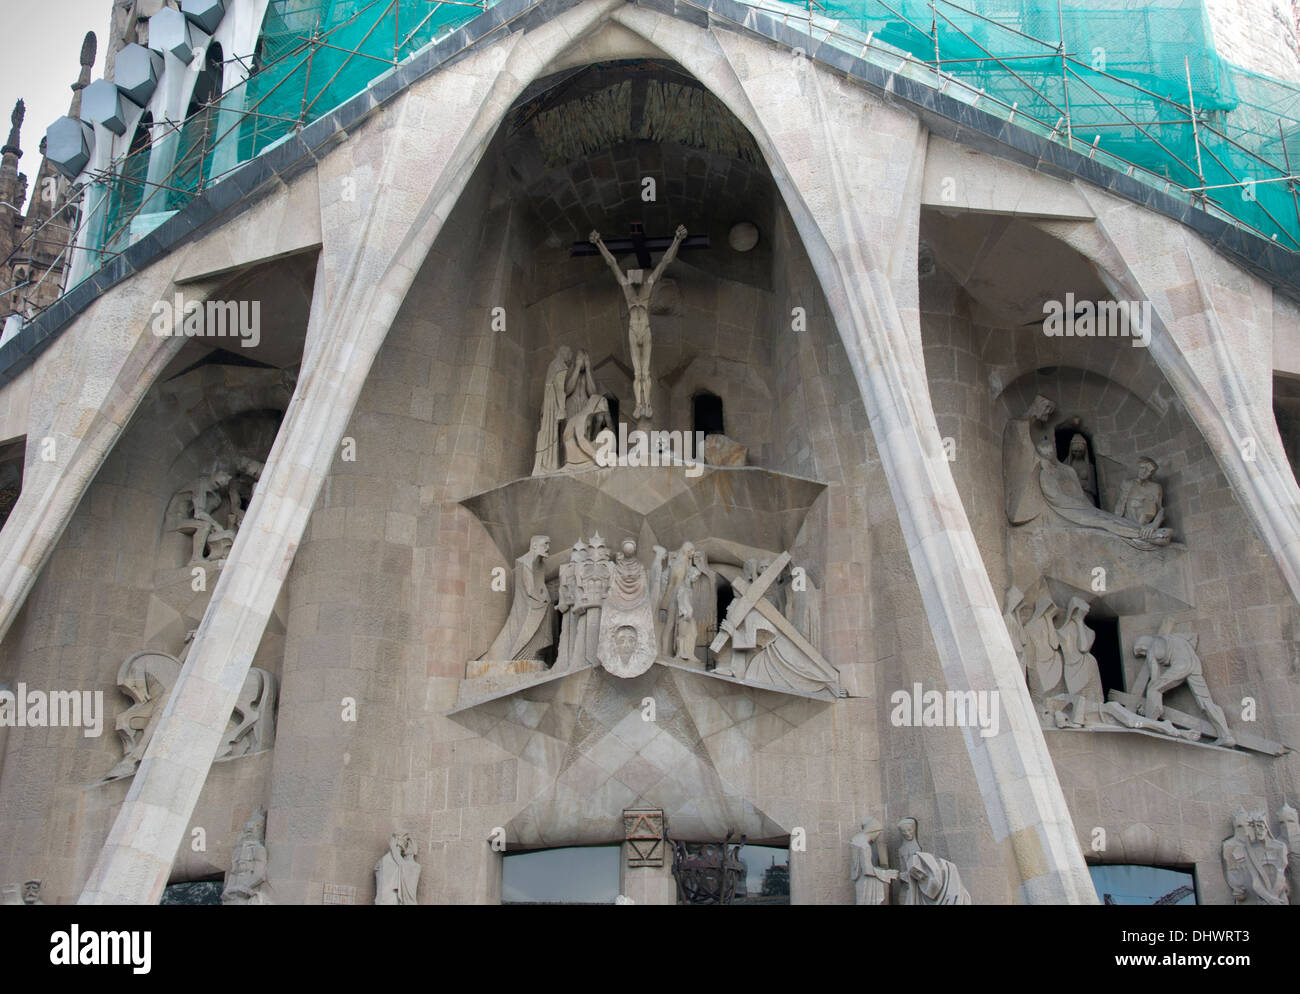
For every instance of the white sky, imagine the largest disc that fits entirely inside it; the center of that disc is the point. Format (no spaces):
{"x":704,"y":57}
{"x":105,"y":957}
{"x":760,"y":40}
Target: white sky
{"x":39,"y":46}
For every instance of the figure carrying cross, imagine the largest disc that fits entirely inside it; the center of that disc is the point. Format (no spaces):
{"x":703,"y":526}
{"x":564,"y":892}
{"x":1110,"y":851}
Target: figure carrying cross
{"x":637,"y":291}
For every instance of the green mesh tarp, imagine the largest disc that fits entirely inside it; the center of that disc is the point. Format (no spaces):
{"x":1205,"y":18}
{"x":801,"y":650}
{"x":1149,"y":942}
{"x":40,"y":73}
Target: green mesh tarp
{"x":1115,"y":79}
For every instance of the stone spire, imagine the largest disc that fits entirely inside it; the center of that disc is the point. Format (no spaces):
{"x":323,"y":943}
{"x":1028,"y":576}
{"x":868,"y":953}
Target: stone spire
{"x":11,"y":146}
{"x":83,"y":78}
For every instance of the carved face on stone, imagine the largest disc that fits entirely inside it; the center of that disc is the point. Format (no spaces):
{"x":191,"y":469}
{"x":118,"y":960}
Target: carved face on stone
{"x":564,"y":353}
{"x":907,"y":827}
{"x":1078,"y":447}
{"x":1041,"y":409}
{"x":625,"y":642}
{"x":1258,"y":826}
{"x":629,"y":548}
{"x":580,"y":552}
{"x":1146,"y":469}
{"x":31,"y":891}
{"x":599,"y":550}
{"x":221,"y":479}
{"x":540,"y":545}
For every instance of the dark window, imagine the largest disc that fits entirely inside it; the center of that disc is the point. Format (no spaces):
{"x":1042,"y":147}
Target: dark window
{"x":1133,"y":884}
{"x":706,"y":414}
{"x":1106,"y":649}
{"x":613,"y":413}
{"x":574,"y":875}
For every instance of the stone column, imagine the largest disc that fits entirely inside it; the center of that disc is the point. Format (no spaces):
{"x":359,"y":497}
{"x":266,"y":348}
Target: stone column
{"x":408,"y":166}
{"x":850,"y":170}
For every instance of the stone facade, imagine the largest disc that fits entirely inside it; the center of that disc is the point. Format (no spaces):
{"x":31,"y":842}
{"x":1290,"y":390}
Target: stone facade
{"x":367,"y":467}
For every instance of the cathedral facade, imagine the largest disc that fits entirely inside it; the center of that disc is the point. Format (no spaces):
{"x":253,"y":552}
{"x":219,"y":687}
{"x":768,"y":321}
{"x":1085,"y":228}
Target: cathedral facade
{"x":641,"y":452}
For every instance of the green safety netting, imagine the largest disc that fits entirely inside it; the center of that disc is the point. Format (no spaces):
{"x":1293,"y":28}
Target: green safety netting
{"x":1116,"y":79}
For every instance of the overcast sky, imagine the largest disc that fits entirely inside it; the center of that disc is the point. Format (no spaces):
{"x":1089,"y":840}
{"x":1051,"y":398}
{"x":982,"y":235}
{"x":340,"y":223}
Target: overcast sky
{"x":39,"y":45}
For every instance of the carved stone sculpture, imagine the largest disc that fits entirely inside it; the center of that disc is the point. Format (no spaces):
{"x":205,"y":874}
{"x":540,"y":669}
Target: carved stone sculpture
{"x":209,"y":538}
{"x":1013,"y":618}
{"x":1078,"y":461}
{"x":871,"y":878}
{"x":566,"y":600}
{"x":1044,"y":649}
{"x":1019,"y":461}
{"x":910,"y":845}
{"x":32,"y":893}
{"x":560,"y":381}
{"x":148,"y":677}
{"x":246,"y":883}
{"x":397,"y":874}
{"x":1289,"y":828}
{"x":1061,"y":490}
{"x":764,"y":646}
{"x":594,"y":580}
{"x":1171,"y":661}
{"x":527,"y":630}
{"x":1254,"y":862}
{"x":801,"y":604}
{"x":1142,"y":500}
{"x":637,"y":296}
{"x":935,"y":880}
{"x":671,"y":580}
{"x":1080,"y":671}
{"x":627,"y":645}
{"x":686,"y":627}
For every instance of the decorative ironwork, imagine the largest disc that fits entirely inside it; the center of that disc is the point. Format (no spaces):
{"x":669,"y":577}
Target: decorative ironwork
{"x":707,"y":872}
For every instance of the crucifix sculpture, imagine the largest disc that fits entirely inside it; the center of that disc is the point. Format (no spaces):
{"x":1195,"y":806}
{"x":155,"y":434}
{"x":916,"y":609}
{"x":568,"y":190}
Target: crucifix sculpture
{"x":637,"y":289}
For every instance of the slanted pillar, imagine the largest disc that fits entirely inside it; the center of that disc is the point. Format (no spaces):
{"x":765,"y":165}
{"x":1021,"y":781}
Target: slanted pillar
{"x":850,"y":170}
{"x":409,"y":164}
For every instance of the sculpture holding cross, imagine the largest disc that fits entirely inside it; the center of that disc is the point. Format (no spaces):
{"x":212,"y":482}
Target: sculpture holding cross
{"x":637,"y":292}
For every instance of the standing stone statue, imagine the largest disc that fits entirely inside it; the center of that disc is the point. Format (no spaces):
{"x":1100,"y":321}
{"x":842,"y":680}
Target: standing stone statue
{"x":627,"y":625}
{"x":801,"y":604}
{"x":246,"y":883}
{"x":909,"y":828}
{"x":1045,"y":664}
{"x":1081,"y":672}
{"x":1255,"y":863}
{"x":638,"y":307}
{"x":527,"y":629}
{"x":686,"y":627}
{"x":1172,"y":660}
{"x":561,"y":378}
{"x":1289,"y":828}
{"x":1142,"y":500}
{"x":1019,"y":460}
{"x":397,"y":874}
{"x":566,"y":599}
{"x":679,"y":563}
{"x":594,"y":579}
{"x":870,"y":878}
{"x":1078,"y":461}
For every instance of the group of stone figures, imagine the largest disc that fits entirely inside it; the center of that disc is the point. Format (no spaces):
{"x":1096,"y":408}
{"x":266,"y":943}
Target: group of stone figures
{"x":1036,"y":480}
{"x":1065,"y":680}
{"x":617,"y":613}
{"x":197,"y":504}
{"x":574,"y":412}
{"x":921,"y":877}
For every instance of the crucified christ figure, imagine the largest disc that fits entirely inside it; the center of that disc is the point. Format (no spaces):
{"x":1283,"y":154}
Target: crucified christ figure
{"x":636,"y":292}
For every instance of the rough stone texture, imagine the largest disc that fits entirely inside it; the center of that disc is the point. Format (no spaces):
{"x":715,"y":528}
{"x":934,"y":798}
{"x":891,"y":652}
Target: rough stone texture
{"x":369,"y":580}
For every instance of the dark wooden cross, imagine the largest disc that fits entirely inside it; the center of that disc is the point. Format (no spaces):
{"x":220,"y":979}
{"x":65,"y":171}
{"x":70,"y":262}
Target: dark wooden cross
{"x":638,"y":242}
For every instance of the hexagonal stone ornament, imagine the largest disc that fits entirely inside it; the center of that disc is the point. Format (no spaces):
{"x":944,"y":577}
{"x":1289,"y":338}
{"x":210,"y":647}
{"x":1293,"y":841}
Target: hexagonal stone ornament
{"x":205,"y":14}
{"x":136,"y":72}
{"x":101,"y":103}
{"x":169,"y":31}
{"x":68,"y":144}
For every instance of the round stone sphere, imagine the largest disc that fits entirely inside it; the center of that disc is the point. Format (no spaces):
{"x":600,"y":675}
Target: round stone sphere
{"x":743,"y":236}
